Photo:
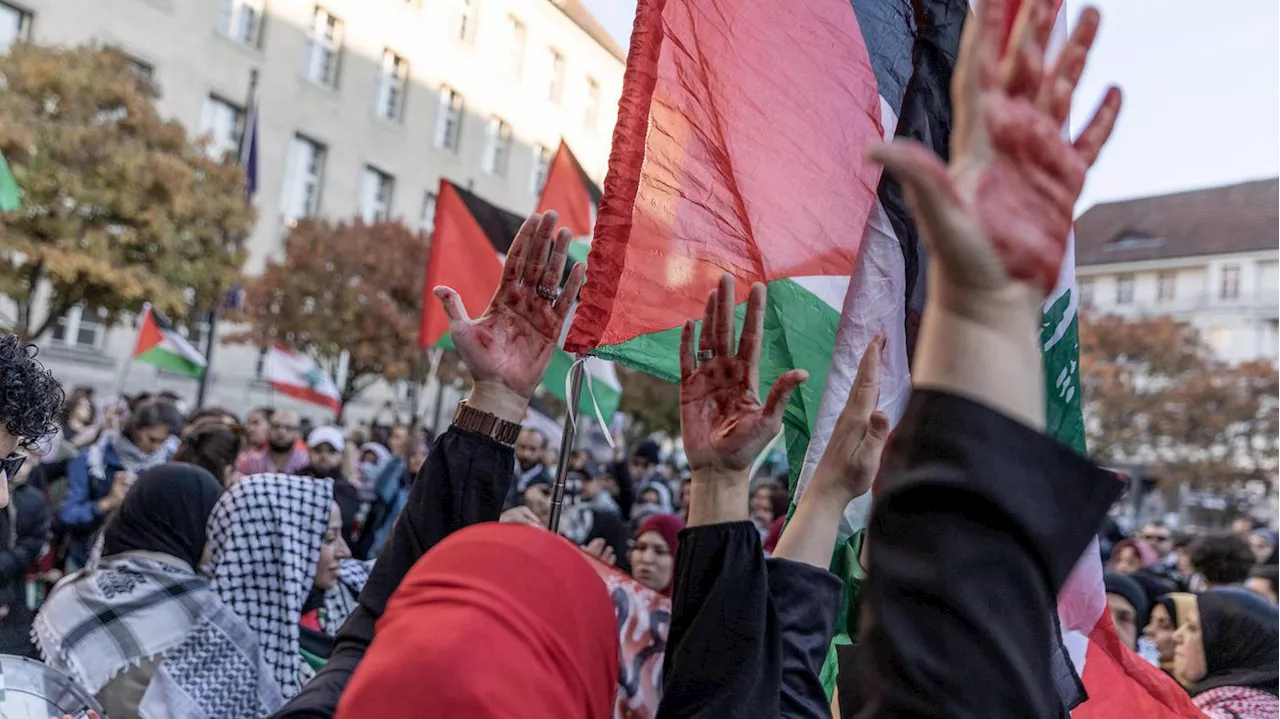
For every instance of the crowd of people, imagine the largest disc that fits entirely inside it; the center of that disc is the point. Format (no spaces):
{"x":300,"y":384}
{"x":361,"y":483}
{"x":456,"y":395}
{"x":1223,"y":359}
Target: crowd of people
{"x":207,"y":565}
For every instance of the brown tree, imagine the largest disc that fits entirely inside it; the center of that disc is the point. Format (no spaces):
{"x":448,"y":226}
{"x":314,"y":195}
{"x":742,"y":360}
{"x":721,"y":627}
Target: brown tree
{"x":1154,"y":394}
{"x":653,"y":403}
{"x":119,"y":207}
{"x":346,"y":287}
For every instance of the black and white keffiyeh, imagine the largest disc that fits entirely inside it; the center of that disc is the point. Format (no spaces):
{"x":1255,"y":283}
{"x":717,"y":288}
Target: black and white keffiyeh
{"x":341,"y":600}
{"x":265,"y":535}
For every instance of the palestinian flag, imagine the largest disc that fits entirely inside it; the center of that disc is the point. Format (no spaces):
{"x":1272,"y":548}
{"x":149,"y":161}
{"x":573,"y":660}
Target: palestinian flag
{"x":10,"y":195}
{"x":570,"y":192}
{"x":468,"y":246}
{"x":704,"y":178}
{"x":161,"y":345}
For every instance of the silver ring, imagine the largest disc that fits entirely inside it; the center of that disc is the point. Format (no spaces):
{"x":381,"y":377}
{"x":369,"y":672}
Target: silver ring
{"x":550,"y":295}
{"x":706,"y":355}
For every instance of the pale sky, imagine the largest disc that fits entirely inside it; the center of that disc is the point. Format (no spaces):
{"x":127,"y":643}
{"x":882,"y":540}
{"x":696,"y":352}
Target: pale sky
{"x":1201,"y":84}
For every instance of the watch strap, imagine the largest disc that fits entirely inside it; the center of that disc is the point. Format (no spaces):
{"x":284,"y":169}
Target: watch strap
{"x":489,"y":425}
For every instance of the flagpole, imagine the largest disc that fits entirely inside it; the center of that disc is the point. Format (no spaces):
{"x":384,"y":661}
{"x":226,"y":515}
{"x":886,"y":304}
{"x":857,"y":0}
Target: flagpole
{"x":566,"y":444}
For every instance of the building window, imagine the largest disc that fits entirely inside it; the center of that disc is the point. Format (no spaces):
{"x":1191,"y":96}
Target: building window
{"x":222,"y":122}
{"x":497,"y":146}
{"x":449,"y":120}
{"x":541,"y":164}
{"x":515,"y":47}
{"x":427,"y":221}
{"x":592,"y":115}
{"x":1124,"y":290}
{"x":393,"y":78}
{"x":15,"y":25}
{"x":555,"y":83}
{"x":461,"y":19}
{"x":241,"y":20}
{"x":376,"y":187}
{"x":320,"y":62}
{"x":80,"y":328}
{"x":1230,"y":288}
{"x":1086,"y":293}
{"x":1166,"y":286}
{"x":304,"y":176}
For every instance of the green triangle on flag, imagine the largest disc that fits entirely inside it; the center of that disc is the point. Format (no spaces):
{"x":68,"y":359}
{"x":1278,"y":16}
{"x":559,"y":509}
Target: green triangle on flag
{"x":160,"y":345}
{"x":10,"y":194}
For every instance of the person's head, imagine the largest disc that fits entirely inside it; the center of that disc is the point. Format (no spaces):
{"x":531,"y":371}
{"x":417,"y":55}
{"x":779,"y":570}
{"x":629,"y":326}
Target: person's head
{"x":333,"y":549}
{"x":653,"y":551}
{"x":529,"y":448}
{"x":30,"y":405}
{"x":1130,"y":555}
{"x":166,"y":511}
{"x":686,"y":492}
{"x":1229,"y":638}
{"x":398,"y":440}
{"x":592,"y":485}
{"x":493,"y":600}
{"x":579,"y":459}
{"x":1263,"y":543}
{"x":1243,"y":525}
{"x":537,"y":497}
{"x":210,"y":414}
{"x":152,"y":423}
{"x":650,"y":495}
{"x":1222,"y":558}
{"x":768,"y":502}
{"x":1182,"y":552}
{"x":1166,"y":613}
{"x":79,"y":412}
{"x":214,"y":445}
{"x":1263,"y":581}
{"x":257,"y":426}
{"x":1127,"y":602}
{"x":1157,"y":536}
{"x":284,"y":433}
{"x":417,"y":457}
{"x":324,"y":450}
{"x":643,"y":459}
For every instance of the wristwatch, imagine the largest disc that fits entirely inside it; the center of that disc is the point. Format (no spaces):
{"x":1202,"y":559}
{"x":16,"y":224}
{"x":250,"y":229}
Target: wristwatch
{"x":489,"y":425}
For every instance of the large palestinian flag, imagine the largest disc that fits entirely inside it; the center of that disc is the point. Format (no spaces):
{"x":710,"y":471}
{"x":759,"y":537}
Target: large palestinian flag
{"x":468,"y":246}
{"x":740,"y":148}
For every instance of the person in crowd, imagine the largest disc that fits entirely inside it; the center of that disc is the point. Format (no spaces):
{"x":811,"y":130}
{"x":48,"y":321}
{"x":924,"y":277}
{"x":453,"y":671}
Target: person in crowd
{"x":99,"y":477}
{"x":213,"y":444}
{"x":374,"y":459}
{"x":653,"y":553}
{"x":257,"y":427}
{"x":1131,"y":555}
{"x":595,"y":493}
{"x":1167,"y":613}
{"x":216,"y":414}
{"x":1264,"y":582}
{"x":281,"y":454}
{"x":492,"y":601}
{"x":1221,"y":559}
{"x":1157,"y":535}
{"x":602,"y":531}
{"x":30,"y":406}
{"x":79,"y":426}
{"x":1127,"y":602}
{"x":325,"y":451}
{"x":1226,"y":654}
{"x":398,"y":439}
{"x":1263,"y":543}
{"x":768,"y":502}
{"x":131,"y":626}
{"x":1185,"y":573}
{"x":643,"y":463}
{"x":1242,"y":526}
{"x":529,"y":467}
{"x":24,"y":531}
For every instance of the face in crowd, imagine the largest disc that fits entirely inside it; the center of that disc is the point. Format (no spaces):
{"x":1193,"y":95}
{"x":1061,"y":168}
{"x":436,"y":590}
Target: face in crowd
{"x":333,"y":549}
{"x":1158,"y":538}
{"x":529,"y":449}
{"x":651,"y":561}
{"x":324,"y":457}
{"x":258,"y":427}
{"x":284,"y":435}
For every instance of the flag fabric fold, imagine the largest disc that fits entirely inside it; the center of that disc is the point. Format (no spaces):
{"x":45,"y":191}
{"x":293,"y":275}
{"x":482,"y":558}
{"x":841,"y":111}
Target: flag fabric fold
{"x":570,"y":193}
{"x":298,"y":376}
{"x":161,"y":345}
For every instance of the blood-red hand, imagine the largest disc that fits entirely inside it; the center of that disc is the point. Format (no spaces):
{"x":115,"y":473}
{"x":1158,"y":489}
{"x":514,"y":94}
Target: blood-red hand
{"x":722,"y":422}
{"x":511,"y":344}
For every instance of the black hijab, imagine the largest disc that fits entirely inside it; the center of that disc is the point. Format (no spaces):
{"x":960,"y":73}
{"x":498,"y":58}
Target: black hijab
{"x":1241,"y":632}
{"x":165,"y":511}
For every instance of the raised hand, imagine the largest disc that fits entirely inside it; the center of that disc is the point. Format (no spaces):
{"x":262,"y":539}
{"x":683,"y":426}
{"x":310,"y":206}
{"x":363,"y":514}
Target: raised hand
{"x":852,"y":458}
{"x":508,"y":348}
{"x":1002,"y":211}
{"x":723,"y":424}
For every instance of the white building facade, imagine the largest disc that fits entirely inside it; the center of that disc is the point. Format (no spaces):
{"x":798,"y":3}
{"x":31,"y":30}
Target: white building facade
{"x":364,"y":105}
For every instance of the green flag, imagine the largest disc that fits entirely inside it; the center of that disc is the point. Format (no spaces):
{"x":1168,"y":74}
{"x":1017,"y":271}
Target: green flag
{"x":10,"y":195}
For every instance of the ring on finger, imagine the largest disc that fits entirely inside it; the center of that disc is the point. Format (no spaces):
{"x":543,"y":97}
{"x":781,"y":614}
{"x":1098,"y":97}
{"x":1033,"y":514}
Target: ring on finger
{"x":706,"y":355}
{"x":550,"y":294}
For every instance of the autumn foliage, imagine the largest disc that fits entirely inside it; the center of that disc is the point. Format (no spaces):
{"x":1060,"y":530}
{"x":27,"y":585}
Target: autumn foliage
{"x":119,"y":207}
{"x":343,"y":287}
{"x":1154,"y":394}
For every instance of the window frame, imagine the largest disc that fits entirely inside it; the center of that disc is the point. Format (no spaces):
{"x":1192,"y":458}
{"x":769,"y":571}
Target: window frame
{"x":335,"y":28}
{"x":296,"y":179}
{"x":1229,"y":281}
{"x":26,"y":18}
{"x":451,"y":110}
{"x":1122,"y":282}
{"x":73,"y":322}
{"x":497,"y":147}
{"x":237,"y":126}
{"x":380,"y":210}
{"x":233,"y":12}
{"x":392,"y":86}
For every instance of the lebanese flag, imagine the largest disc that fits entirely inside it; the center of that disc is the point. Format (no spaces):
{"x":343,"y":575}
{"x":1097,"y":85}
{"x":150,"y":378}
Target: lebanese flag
{"x":570,"y":192}
{"x":298,"y":376}
{"x":160,"y":344}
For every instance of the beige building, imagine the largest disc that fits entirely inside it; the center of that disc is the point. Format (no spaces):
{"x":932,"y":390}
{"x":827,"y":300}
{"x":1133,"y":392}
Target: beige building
{"x":1208,"y":257}
{"x":363,"y":106}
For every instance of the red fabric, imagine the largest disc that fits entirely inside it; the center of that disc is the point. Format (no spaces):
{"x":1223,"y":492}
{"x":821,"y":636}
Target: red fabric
{"x":565,"y":192}
{"x":498,"y":620}
{"x":739,"y":148}
{"x":668,"y":526}
{"x":775,"y":534}
{"x":311,"y":620}
{"x":149,"y":334}
{"x":1122,"y":684}
{"x":457,"y":242}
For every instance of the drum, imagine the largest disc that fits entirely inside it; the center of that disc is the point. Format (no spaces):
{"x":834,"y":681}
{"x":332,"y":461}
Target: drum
{"x":32,"y":690}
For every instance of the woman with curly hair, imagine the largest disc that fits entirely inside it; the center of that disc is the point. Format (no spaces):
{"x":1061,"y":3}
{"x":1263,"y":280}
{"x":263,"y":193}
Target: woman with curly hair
{"x":30,"y":405}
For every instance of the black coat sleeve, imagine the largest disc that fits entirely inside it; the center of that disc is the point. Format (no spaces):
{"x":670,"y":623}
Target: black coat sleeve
{"x":748,"y":635}
{"x":977,"y":522}
{"x":463,"y":482}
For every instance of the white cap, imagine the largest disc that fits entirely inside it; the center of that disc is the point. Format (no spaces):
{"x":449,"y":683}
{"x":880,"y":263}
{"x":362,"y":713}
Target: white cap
{"x":331,"y":436}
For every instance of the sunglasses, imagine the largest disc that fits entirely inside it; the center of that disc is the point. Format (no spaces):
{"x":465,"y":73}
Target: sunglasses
{"x":10,"y":465}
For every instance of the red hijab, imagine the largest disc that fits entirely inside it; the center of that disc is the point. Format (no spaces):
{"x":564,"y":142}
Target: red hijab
{"x":669,"y":527}
{"x":498,"y":620}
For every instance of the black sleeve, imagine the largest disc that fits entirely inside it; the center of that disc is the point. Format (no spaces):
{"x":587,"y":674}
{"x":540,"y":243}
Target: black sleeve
{"x":463,"y":482}
{"x":748,"y":636}
{"x":31,"y":533}
{"x":985,"y":518}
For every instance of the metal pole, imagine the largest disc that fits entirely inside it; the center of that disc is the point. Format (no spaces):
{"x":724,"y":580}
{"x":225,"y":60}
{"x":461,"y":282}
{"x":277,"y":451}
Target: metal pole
{"x":566,"y":445}
{"x":209,"y":343}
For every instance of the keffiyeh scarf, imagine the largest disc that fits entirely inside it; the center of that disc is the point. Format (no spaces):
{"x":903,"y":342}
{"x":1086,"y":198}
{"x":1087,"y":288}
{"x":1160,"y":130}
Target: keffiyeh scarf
{"x":264,"y":540}
{"x":341,"y":599}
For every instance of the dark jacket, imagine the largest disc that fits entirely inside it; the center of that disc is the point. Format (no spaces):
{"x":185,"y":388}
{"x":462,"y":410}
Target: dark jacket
{"x":87,"y":482}
{"x":24,"y":529}
{"x":463,"y":482}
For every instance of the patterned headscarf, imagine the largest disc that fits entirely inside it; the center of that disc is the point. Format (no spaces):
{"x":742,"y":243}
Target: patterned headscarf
{"x":264,"y":540}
